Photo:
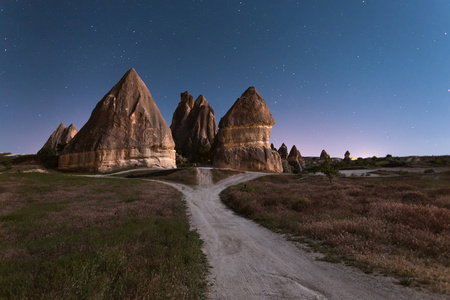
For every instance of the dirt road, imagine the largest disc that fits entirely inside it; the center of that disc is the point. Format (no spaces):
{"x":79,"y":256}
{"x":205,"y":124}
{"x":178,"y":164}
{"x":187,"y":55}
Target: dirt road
{"x":250,"y":262}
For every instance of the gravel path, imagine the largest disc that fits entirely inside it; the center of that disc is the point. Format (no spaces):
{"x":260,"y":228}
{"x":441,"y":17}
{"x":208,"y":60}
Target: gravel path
{"x":251,"y":262}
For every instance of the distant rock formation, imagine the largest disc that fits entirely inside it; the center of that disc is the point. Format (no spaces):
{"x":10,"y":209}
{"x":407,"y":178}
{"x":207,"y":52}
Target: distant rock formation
{"x":324,"y":154}
{"x":60,"y":137}
{"x":283,"y":151}
{"x":243,"y":136}
{"x":125,"y":130}
{"x":194,"y":127}
{"x":347,"y":156}
{"x":273,"y":147}
{"x":295,"y":159}
{"x":294,"y":154}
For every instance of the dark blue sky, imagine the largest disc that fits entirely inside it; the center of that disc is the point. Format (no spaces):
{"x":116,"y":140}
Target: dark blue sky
{"x":371,"y":77}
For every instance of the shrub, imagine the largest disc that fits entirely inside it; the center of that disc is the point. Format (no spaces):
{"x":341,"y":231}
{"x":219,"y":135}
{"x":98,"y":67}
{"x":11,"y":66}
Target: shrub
{"x":8,"y":164}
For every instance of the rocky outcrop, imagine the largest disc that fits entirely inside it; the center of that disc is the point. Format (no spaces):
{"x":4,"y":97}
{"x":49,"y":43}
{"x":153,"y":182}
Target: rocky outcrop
{"x":125,"y":130}
{"x":324,"y":154}
{"x":295,"y":159}
{"x":194,"y":128}
{"x":179,"y":117}
{"x":294,"y":154}
{"x":347,"y":156}
{"x":60,"y":137}
{"x":243,"y":136}
{"x":283,"y":151}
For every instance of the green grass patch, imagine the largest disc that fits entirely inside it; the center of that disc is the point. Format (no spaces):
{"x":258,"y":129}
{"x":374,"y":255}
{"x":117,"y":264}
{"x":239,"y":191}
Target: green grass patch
{"x":68,"y":237}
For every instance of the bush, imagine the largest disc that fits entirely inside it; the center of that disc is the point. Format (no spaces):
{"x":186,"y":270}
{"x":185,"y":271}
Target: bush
{"x":8,"y":164}
{"x":181,"y":161}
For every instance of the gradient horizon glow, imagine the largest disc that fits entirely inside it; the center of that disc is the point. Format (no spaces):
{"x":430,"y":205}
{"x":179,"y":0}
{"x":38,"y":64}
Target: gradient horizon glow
{"x":368,"y":76}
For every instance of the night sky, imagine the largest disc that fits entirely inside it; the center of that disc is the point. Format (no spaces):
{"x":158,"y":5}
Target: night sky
{"x":368,"y":76}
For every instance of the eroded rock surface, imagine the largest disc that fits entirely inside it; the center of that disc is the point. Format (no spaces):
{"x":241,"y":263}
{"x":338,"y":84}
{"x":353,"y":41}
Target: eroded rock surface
{"x":61,"y":136}
{"x":283,"y":151}
{"x":179,"y":117}
{"x":295,"y":158}
{"x":194,"y":127}
{"x":243,"y":136}
{"x":126,"y":129}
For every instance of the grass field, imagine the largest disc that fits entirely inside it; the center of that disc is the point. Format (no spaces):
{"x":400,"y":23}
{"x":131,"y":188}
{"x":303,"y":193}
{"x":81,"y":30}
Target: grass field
{"x":68,"y":237}
{"x":398,"y":226}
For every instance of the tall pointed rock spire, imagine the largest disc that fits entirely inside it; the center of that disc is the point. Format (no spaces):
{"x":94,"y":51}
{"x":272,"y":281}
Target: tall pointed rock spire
{"x":126,"y":129}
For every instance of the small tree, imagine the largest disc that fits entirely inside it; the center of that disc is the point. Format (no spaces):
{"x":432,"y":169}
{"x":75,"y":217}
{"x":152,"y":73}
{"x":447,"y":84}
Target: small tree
{"x":327,"y":169}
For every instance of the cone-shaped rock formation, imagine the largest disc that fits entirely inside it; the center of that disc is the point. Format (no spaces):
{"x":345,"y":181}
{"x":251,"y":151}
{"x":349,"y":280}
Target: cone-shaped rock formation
{"x":60,"y":137}
{"x":294,"y":154}
{"x":283,"y":151}
{"x":295,"y":159}
{"x":125,"y":130}
{"x":324,"y":154}
{"x":243,"y":136}
{"x":193,"y":127}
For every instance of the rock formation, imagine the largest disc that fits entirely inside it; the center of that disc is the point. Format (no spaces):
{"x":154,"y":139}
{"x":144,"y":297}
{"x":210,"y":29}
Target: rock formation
{"x":60,"y":137}
{"x":294,"y":154}
{"x":273,"y":147}
{"x":324,"y":154}
{"x":283,"y":151}
{"x":243,"y":136}
{"x":194,"y":128}
{"x":125,"y":130}
{"x":347,"y":156}
{"x":295,"y":159}
{"x":179,"y":117}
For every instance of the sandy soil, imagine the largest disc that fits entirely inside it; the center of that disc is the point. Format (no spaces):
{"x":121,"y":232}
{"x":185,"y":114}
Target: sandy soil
{"x":251,"y":262}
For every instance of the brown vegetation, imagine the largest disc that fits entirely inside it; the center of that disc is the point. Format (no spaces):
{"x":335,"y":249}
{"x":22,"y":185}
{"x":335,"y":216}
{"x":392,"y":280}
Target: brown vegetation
{"x":398,"y":226}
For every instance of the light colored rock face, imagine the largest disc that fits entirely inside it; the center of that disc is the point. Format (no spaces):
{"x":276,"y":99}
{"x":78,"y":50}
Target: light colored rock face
{"x":110,"y":160}
{"x":249,"y":159}
{"x":125,"y":130}
{"x":243,"y":136}
{"x":194,"y":129}
{"x":61,"y":136}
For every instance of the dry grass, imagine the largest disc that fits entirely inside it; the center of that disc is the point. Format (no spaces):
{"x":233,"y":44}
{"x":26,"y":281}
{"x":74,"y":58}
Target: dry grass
{"x":398,"y":226}
{"x":183,"y":175}
{"x":221,"y":174}
{"x":66,"y":237}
